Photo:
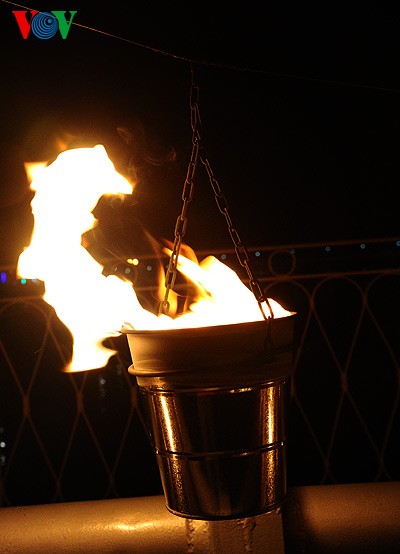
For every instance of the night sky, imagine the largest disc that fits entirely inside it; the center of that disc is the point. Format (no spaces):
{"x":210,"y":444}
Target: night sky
{"x":300,"y":106}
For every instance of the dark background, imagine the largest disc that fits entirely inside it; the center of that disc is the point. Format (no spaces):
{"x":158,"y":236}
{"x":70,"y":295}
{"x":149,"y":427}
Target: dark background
{"x":300,"y":111}
{"x":299,"y":103}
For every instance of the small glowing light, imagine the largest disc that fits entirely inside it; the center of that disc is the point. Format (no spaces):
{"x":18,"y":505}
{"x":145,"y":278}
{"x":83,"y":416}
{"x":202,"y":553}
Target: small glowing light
{"x":133,"y":261}
{"x":2,"y":444}
{"x":23,"y":281}
{"x":223,"y":256}
{"x":257,"y":254}
{"x":398,"y":243}
{"x":149,"y":268}
{"x":327,"y":248}
{"x":127,"y":270}
{"x":362,"y":246}
{"x":3,"y":277}
{"x":102,"y":381}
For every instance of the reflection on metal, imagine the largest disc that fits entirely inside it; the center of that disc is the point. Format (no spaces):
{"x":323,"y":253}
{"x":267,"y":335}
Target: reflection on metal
{"x":216,"y":400}
{"x":348,"y":353}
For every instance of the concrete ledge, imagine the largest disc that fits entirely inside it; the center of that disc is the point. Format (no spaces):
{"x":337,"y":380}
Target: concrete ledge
{"x":333,"y":518}
{"x":343,"y":518}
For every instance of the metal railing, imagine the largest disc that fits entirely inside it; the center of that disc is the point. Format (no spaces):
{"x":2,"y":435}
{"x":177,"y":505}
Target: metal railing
{"x":80,"y":436}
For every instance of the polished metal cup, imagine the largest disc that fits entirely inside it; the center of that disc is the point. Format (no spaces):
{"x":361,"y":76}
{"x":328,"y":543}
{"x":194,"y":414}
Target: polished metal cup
{"x":216,"y":401}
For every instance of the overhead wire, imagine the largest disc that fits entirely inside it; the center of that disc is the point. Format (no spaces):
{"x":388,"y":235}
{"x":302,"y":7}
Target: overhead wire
{"x":218,"y":65}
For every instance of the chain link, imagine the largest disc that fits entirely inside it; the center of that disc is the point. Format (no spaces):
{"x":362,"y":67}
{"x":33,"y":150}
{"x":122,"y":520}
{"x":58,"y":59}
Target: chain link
{"x":241,"y":251}
{"x":187,"y":195}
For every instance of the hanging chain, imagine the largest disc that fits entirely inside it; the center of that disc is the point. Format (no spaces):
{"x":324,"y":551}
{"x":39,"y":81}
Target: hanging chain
{"x":187,"y":195}
{"x":241,"y":251}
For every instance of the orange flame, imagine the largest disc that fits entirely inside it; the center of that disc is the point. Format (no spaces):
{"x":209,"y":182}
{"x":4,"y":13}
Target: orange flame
{"x":94,"y":306}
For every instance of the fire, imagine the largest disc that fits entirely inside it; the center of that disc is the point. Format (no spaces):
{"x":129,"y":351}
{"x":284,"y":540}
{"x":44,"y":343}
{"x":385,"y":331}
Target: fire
{"x":94,"y":306}
{"x":223,"y":297}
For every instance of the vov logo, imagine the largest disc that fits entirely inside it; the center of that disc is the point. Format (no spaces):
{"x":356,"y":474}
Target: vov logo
{"x":43,"y":25}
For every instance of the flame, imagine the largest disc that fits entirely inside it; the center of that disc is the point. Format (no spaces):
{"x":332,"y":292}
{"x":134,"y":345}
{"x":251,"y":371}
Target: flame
{"x":94,"y":306}
{"x":33,"y":170}
{"x":224,"y":298}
